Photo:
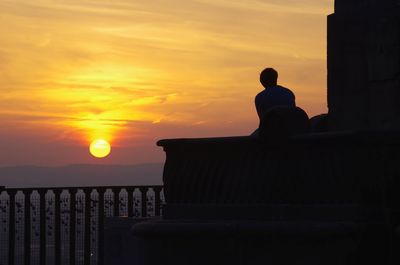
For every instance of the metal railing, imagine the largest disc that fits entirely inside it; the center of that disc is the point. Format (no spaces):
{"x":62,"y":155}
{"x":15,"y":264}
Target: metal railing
{"x":62,"y":226}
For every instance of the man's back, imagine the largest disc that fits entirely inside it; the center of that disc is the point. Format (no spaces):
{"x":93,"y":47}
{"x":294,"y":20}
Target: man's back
{"x":274,"y":96}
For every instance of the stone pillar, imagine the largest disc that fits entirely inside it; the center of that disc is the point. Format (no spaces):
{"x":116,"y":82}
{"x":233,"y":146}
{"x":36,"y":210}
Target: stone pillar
{"x":364,"y":65}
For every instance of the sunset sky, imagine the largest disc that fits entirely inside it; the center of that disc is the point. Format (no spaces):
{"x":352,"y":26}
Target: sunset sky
{"x":132,"y":72}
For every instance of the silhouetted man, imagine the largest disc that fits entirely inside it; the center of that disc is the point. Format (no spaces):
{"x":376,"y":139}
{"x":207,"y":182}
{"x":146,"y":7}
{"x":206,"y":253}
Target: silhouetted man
{"x":273,"y":95}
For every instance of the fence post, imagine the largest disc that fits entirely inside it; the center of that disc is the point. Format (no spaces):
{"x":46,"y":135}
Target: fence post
{"x":130,"y":201}
{"x":88,"y":208}
{"x":72,"y":226}
{"x":11,"y":231}
{"x":157,"y":202}
{"x":144,"y":190}
{"x":43,"y":232}
{"x":57,"y":226}
{"x":116,"y":192}
{"x":27,"y":226}
{"x":100,"y":249}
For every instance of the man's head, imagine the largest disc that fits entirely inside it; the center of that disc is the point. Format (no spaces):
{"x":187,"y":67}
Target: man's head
{"x":269,"y":77}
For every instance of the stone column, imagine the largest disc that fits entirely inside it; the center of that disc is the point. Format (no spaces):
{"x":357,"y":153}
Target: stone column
{"x":364,"y":65}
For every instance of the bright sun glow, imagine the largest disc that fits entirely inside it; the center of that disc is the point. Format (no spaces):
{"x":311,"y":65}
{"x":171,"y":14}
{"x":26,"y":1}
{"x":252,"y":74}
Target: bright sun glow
{"x":100,"y":148}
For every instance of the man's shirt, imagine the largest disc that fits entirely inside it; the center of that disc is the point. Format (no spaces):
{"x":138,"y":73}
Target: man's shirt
{"x":272,"y":97}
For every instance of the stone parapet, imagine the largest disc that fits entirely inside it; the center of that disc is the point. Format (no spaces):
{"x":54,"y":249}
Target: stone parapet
{"x":330,"y":168}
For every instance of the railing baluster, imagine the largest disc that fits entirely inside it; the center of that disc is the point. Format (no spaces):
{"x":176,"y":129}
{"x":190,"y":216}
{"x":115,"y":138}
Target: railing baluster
{"x":100,"y":248}
{"x":72,"y":230}
{"x":130,"y":202}
{"x":157,"y":203}
{"x":87,"y":227}
{"x":144,"y":190}
{"x":11,"y":231}
{"x":57,"y":227}
{"x":42,"y":194}
{"x":116,"y":192}
{"x":27,"y":227}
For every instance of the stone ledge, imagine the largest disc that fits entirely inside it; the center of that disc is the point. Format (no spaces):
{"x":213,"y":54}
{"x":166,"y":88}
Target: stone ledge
{"x":211,"y":229}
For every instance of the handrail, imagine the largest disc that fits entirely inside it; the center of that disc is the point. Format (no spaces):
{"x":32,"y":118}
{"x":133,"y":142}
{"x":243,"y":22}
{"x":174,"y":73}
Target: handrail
{"x":79,"y":188}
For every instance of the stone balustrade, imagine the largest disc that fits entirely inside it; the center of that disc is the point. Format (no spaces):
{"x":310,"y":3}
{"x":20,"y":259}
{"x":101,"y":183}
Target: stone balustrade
{"x":358,"y":168}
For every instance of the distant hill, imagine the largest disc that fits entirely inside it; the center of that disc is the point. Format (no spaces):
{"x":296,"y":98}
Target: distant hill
{"x":81,"y":175}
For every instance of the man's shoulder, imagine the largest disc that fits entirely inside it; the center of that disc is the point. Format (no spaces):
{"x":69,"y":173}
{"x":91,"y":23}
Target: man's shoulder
{"x":271,"y":91}
{"x":285,"y":89}
{"x":260,"y":94}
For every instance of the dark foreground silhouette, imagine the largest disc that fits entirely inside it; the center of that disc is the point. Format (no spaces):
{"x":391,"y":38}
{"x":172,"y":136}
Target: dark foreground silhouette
{"x":288,"y":196}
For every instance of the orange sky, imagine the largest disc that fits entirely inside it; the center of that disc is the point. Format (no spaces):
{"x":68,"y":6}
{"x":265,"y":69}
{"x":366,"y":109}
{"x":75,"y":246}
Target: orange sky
{"x":133,"y":72}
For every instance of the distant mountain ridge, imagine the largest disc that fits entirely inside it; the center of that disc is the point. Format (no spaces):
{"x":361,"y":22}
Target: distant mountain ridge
{"x":81,"y":175}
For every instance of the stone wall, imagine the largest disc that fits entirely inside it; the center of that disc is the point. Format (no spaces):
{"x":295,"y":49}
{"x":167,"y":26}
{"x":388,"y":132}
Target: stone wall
{"x":362,"y":5}
{"x":364,"y":65}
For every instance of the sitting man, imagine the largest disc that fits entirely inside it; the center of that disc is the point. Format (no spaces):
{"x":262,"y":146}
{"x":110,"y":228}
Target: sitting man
{"x":273,"y":95}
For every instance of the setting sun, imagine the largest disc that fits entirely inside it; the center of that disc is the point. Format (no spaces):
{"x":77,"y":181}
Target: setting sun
{"x":100,"y":148}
